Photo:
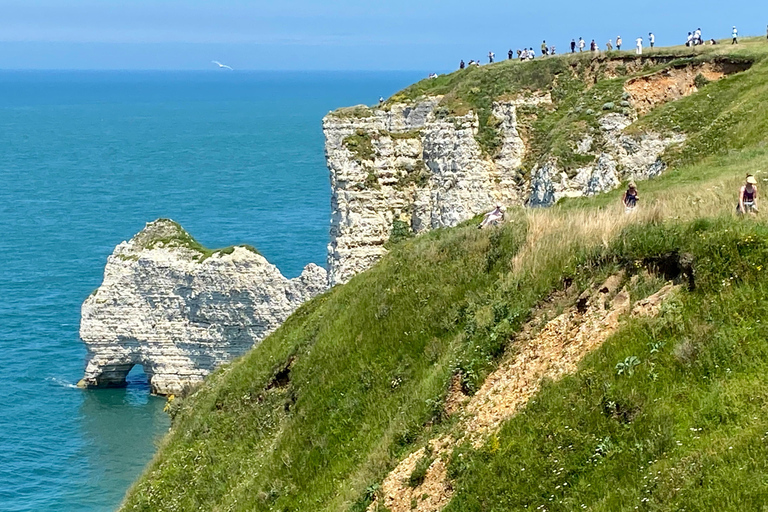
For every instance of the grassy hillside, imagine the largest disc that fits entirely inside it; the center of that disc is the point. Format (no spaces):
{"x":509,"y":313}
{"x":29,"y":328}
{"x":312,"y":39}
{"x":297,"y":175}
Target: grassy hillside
{"x":317,"y":415}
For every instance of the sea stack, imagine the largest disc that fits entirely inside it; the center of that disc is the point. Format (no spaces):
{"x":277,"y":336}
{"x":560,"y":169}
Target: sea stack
{"x":180,"y":310}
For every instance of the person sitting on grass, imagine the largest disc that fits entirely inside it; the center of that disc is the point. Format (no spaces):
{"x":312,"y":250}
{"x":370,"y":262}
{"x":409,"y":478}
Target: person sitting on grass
{"x":748,"y":196}
{"x":630,"y":197}
{"x":493,"y":218}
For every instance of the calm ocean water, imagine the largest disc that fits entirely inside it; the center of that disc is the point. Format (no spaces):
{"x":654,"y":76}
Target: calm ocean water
{"x":85,"y":160}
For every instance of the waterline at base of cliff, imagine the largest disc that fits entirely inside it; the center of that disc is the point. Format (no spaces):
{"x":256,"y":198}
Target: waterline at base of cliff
{"x":89,"y":159}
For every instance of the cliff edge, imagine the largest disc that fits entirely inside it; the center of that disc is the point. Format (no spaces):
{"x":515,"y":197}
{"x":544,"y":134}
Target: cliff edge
{"x":180,"y":310}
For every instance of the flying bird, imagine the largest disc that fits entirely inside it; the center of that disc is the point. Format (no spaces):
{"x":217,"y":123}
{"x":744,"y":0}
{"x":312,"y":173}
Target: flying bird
{"x":222,"y":66}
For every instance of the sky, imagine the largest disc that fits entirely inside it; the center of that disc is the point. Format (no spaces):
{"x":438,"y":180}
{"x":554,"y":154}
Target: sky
{"x":425,"y":35}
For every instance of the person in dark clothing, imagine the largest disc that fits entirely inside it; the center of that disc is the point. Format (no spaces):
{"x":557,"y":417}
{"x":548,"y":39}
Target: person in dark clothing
{"x":748,"y":196}
{"x":573,"y":46}
{"x":461,"y":64}
{"x":510,"y":54}
{"x":630,"y":197}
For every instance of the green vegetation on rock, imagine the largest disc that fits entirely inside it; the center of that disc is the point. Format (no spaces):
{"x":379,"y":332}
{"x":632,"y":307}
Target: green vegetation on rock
{"x":168,"y":233}
{"x":361,"y":146}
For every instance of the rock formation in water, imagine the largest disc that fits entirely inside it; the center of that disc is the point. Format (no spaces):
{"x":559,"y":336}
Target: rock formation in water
{"x":180,"y":310}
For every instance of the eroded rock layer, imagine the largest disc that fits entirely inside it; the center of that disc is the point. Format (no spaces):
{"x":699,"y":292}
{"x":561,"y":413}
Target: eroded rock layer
{"x":411,"y":167}
{"x":180,"y":311}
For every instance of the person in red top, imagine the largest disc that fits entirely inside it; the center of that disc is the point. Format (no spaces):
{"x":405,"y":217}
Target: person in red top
{"x":748,"y":196}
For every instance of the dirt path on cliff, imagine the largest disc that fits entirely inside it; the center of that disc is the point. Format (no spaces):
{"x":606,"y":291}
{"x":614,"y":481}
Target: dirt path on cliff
{"x":547,"y":352}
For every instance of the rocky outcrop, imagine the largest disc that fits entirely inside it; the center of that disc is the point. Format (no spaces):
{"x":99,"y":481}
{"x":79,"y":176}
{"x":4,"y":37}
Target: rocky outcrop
{"x":416,"y":165}
{"x":413,"y":163}
{"x":180,"y":311}
{"x":622,"y":157}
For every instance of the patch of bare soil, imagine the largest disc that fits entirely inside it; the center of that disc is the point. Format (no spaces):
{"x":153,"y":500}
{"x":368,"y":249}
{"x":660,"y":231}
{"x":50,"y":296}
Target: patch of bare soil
{"x":547,"y":352}
{"x":648,"y":92}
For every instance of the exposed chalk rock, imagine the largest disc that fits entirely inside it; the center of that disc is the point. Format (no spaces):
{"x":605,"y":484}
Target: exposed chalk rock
{"x":180,"y":310}
{"x":418,"y":164}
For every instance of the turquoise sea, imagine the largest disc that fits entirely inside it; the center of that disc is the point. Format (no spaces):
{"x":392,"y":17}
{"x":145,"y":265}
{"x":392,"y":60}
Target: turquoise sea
{"x":86,"y":158}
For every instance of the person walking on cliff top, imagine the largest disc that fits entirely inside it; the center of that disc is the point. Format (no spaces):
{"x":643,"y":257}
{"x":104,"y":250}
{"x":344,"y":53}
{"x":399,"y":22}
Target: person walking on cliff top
{"x":461,"y":64}
{"x":689,"y":40}
{"x":618,"y":43}
{"x":697,"y":37}
{"x":491,"y":55}
{"x":493,"y":218}
{"x":573,"y":46}
{"x":748,"y":196}
{"x":593,"y":47}
{"x":582,"y":44}
{"x":544,"y":48}
{"x":510,"y":54}
{"x":609,"y":45}
{"x":630,"y":197}
{"x":639,"y":46}
{"x":735,"y":34}
{"x":651,"y":39}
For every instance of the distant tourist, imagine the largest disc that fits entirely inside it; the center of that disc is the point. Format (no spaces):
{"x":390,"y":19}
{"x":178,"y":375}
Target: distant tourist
{"x":651,"y":39}
{"x":520,"y":54}
{"x":748,"y":196}
{"x":689,"y":41}
{"x":544,"y":48}
{"x":618,"y":43}
{"x":639,"y":46}
{"x":593,"y":46}
{"x":609,"y":45}
{"x":630,"y":197}
{"x":735,"y":35}
{"x":697,"y":37}
{"x":552,"y":50}
{"x":582,"y":44}
{"x":510,"y":54}
{"x":461,"y":64}
{"x":493,"y":218}
{"x":491,"y":55}
{"x":381,"y":100}
{"x":573,"y":46}
{"x":531,"y":54}
{"x":712,"y":41}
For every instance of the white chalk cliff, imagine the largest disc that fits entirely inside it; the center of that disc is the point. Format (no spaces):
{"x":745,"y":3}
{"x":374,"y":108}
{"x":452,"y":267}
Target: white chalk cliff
{"x":180,"y":311}
{"x":417,"y":165}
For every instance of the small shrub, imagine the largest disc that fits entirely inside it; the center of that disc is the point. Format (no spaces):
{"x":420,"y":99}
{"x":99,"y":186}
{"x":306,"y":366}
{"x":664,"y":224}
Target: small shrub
{"x":589,"y":112}
{"x":700,"y":81}
{"x":608,"y":106}
{"x":419,"y":472}
{"x":401,"y":230}
{"x":625,"y":104}
{"x":371,"y":181}
{"x":627,"y":366}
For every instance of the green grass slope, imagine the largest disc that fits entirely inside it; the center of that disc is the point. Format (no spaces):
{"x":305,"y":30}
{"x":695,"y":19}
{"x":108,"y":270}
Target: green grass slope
{"x":317,"y":415}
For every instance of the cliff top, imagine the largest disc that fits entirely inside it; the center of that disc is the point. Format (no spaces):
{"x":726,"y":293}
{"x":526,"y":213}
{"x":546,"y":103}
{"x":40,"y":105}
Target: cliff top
{"x":166,"y":233}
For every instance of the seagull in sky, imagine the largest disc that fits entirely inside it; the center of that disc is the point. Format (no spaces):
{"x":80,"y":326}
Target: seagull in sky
{"x":222,"y":66}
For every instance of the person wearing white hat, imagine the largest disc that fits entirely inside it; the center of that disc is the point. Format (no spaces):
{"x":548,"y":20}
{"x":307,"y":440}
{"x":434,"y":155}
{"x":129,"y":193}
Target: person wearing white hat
{"x":629,"y":200}
{"x":735,"y":34}
{"x":748,"y":196}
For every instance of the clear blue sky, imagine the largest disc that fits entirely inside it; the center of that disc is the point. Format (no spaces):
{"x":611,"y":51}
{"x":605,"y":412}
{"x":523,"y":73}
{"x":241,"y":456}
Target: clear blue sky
{"x":336,"y":34}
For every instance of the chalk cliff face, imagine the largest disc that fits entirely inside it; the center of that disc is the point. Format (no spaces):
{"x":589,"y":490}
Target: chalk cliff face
{"x":417,"y":167}
{"x":180,"y":311}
